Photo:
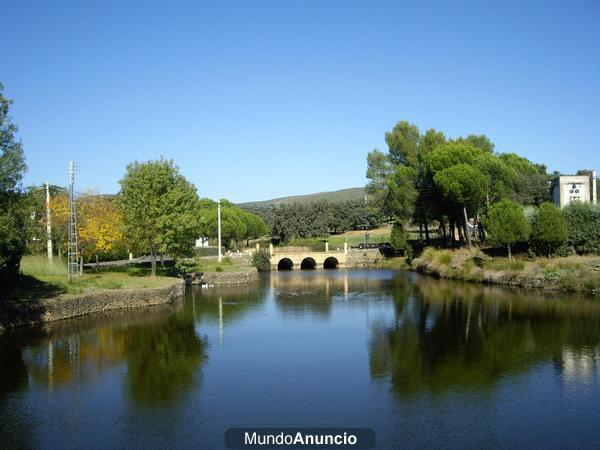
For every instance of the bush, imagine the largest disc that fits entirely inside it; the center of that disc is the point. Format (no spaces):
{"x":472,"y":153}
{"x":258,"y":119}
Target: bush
{"x":549,"y":229}
{"x":186,"y":265}
{"x":444,"y":257}
{"x":583,"y":224}
{"x":218,"y":269}
{"x":398,"y":237}
{"x":506,"y":224}
{"x":262,"y":260}
{"x":12,"y":244}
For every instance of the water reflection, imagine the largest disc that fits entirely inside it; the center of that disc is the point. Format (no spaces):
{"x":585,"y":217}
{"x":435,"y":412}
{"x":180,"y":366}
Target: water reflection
{"x":225,"y":304}
{"x":448,"y":335}
{"x":163,"y":360}
{"x":159,"y":347}
{"x":407,"y":355}
{"x":312,"y":294}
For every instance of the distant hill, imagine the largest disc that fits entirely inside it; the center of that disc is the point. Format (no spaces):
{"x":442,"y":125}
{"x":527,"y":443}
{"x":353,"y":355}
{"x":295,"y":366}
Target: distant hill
{"x":333,"y":196}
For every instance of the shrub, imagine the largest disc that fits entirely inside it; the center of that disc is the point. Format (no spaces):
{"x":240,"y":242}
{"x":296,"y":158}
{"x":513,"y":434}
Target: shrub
{"x":583,"y":224}
{"x":186,"y":265}
{"x":444,"y":257}
{"x":408,"y":254}
{"x":428,"y":254}
{"x":506,"y":224}
{"x":398,"y":237}
{"x":218,"y":269}
{"x":262,"y":260}
{"x":549,"y":229}
{"x":12,"y":242}
{"x":500,"y":264}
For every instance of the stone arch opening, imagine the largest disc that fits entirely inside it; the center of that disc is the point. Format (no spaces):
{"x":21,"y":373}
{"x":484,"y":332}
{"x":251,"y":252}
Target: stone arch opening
{"x":308,"y":264}
{"x":331,"y":263}
{"x":285,"y":264}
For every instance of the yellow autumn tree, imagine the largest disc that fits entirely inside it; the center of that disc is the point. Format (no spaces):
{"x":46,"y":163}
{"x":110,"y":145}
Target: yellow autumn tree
{"x":59,"y":209}
{"x":99,"y":227}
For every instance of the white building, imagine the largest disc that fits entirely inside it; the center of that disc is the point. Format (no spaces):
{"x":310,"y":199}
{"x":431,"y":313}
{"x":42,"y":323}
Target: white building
{"x":567,"y":189}
{"x":202,"y":242}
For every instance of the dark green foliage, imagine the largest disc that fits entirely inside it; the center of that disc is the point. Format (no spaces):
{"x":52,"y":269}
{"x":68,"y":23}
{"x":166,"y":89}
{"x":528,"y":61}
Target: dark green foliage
{"x":262,"y":260}
{"x":12,"y":222}
{"x":583,"y":223}
{"x":549,"y":229}
{"x":398,"y":237}
{"x":506,"y":224}
{"x":529,"y":185}
{"x":160,"y":209}
{"x":236,"y":224}
{"x":318,"y":219}
{"x":427,"y":179}
{"x":186,"y":265}
{"x":342,"y":195}
{"x":12,"y":241}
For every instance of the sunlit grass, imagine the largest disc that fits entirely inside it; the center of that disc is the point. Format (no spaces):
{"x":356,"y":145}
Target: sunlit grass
{"x":572,"y":273}
{"x":43,"y":278}
{"x":37,"y":266}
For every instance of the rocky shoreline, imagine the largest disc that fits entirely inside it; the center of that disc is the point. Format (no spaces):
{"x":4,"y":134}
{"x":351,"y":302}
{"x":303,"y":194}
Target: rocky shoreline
{"x":66,"y":306}
{"x":569,"y":274}
{"x":222,"y":278}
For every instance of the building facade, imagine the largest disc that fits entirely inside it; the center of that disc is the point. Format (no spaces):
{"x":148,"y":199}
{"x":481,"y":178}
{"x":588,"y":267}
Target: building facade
{"x":567,"y":189}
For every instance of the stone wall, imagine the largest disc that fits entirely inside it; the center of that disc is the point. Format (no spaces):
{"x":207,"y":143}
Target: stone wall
{"x":220,"y":278}
{"x":370,"y":257}
{"x":240,"y":257}
{"x":66,"y":306}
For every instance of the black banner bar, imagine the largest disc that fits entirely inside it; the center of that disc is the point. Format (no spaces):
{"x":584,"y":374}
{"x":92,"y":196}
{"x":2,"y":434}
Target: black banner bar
{"x":299,"y":438}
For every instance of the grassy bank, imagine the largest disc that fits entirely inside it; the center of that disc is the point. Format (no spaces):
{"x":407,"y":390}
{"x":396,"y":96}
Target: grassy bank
{"x":572,"y":273}
{"x":208,"y":265}
{"x":42,"y":279}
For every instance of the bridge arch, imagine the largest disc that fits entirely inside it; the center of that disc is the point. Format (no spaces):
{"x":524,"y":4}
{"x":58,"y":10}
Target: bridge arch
{"x":285,"y":264}
{"x":308,"y":263}
{"x":330,"y":263}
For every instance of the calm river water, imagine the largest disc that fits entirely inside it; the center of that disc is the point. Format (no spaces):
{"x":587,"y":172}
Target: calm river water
{"x":423,"y":362}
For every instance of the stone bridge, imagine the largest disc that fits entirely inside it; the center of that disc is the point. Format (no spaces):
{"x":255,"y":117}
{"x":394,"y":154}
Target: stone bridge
{"x":289,"y":259}
{"x":312,"y":260}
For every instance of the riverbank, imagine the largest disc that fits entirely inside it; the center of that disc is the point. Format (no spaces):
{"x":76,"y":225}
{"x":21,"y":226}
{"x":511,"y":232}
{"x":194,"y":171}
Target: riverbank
{"x":15,"y":313}
{"x":570,"y":274}
{"x":247,"y":276}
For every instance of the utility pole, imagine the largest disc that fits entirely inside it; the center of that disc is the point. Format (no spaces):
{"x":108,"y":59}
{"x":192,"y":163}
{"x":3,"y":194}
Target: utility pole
{"x":72,"y":263}
{"x":365,"y":222}
{"x":219,"y":229}
{"x":48,"y":223}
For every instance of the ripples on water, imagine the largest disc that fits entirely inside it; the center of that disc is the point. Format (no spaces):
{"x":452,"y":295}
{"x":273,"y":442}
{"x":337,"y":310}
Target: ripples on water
{"x":424,"y":362}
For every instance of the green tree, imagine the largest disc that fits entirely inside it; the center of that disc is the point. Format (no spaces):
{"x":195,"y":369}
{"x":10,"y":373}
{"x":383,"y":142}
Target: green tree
{"x":262,"y":260}
{"x":379,"y":172}
{"x":160,"y":209}
{"x":506,"y":224}
{"x":403,"y":143}
{"x":528,"y":184}
{"x":549,"y":228}
{"x":583,"y":223}
{"x":399,"y":238}
{"x":236,"y":224}
{"x":12,"y":222}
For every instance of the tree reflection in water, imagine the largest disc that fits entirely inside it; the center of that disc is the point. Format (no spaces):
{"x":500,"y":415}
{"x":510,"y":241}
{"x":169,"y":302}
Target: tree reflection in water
{"x":449,"y":335}
{"x":159,"y":346}
{"x":163,"y":360}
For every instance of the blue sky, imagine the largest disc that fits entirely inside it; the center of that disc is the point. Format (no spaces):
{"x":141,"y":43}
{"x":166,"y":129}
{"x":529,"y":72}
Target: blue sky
{"x":258,"y":99}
